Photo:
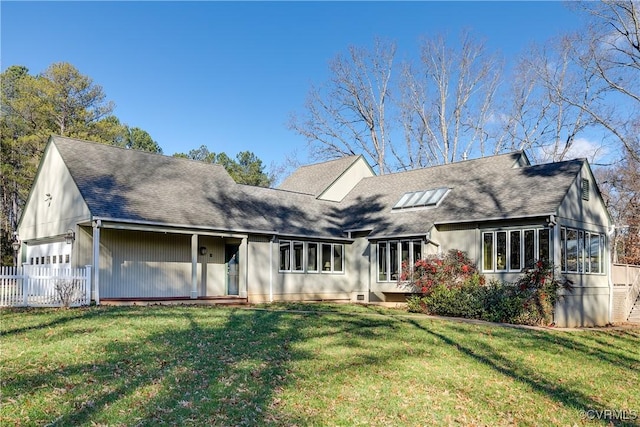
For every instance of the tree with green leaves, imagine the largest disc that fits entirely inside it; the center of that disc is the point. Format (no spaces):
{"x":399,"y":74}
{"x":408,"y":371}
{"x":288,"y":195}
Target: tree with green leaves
{"x":59,"y":101}
{"x":247,"y":168}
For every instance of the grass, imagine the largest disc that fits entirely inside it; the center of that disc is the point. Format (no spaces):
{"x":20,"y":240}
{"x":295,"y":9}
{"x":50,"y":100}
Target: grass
{"x":315,"y":365}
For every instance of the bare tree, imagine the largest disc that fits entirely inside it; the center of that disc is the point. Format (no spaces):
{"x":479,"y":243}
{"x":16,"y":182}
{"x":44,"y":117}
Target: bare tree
{"x":549,"y":95}
{"x":447,"y":103}
{"x":613,"y":55}
{"x":350,"y":115}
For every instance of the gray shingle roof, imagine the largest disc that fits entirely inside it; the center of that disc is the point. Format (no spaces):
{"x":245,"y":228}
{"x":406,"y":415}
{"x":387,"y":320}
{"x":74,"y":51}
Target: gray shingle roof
{"x":130,"y":185}
{"x":481,"y":189}
{"x":314,"y":179}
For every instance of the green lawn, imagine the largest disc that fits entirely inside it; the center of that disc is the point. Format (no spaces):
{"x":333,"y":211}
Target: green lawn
{"x":317,"y":365}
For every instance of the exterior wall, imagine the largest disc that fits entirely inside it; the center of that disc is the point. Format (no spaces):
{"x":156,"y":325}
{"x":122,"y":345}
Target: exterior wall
{"x":137,"y":264}
{"x":55,"y":204}
{"x":266,"y":282}
{"x":345,"y":183}
{"x":589,"y":302}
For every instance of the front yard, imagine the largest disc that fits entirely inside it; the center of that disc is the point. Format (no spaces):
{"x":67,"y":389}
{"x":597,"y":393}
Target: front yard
{"x":352,"y":365}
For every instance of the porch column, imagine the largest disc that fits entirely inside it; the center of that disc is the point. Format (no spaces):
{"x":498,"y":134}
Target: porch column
{"x":194,"y":266}
{"x":244,"y":267}
{"x":96,"y":261}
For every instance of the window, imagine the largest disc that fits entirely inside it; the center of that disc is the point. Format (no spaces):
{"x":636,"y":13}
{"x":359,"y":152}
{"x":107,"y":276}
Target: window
{"x":285,"y":255}
{"x":514,"y":250}
{"x":296,"y":256}
{"x":312,"y":257}
{"x":383,"y":262}
{"x":571,"y":243}
{"x":543,"y":244}
{"x":337,"y":258}
{"x":487,"y":251}
{"x":66,"y":258}
{"x":529,"y":248}
{"x":415,"y":199}
{"x":393,"y":255}
{"x":581,"y":251}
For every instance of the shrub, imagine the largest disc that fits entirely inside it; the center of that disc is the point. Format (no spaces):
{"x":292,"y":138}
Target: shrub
{"x":454,"y":269}
{"x":451,"y":286}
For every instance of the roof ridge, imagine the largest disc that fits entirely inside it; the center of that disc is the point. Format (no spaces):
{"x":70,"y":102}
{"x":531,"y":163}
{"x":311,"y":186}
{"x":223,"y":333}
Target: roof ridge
{"x":134,"y":150}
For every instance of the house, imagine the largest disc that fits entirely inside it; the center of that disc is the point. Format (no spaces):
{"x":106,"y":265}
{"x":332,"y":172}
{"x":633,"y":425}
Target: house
{"x":163,"y":228}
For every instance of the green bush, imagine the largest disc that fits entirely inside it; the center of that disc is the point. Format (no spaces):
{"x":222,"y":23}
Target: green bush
{"x":529,"y":301}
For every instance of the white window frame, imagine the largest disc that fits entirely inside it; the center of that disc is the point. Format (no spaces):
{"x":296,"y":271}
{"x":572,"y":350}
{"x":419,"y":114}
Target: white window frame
{"x":305,"y":245}
{"x":393,"y":276}
{"x":507,"y":261}
{"x":583,"y":260}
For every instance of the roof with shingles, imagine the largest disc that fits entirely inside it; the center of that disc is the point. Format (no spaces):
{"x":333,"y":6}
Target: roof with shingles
{"x":130,"y":185}
{"x":480,"y":189}
{"x":315,"y":179}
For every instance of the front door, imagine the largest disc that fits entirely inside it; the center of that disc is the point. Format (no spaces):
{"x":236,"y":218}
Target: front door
{"x":232,"y":267}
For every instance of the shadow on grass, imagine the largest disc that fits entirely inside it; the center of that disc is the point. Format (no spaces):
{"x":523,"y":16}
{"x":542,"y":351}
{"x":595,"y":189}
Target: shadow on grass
{"x":216,"y":368}
{"x":483,"y":353}
{"x":69,"y":315}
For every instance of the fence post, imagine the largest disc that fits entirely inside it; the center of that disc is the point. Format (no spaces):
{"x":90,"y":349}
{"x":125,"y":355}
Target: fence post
{"x":25,"y":285}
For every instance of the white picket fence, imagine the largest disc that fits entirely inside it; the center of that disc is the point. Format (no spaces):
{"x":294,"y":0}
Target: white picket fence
{"x":31,"y":286}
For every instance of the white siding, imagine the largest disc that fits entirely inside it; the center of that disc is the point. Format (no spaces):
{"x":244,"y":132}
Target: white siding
{"x":55,"y":204}
{"x":349,"y":179}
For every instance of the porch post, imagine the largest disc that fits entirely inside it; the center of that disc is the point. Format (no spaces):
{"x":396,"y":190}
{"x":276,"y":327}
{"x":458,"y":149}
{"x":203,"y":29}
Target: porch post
{"x":96,"y":261}
{"x":244,"y":267}
{"x":194,"y":266}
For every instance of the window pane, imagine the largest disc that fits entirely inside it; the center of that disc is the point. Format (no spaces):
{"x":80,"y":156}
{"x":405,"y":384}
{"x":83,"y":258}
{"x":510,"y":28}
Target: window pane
{"x":285,"y":255}
{"x":393,"y":270}
{"x":312,"y":257}
{"x":501,"y":250}
{"x":487,"y":251}
{"x":326,"y":257}
{"x":417,"y":251}
{"x":594,"y":253}
{"x":382,"y":262}
{"x":580,"y":251}
{"x":543,"y":244}
{"x":337,"y":257}
{"x":405,"y":257}
{"x":529,"y":248}
{"x":514,"y":243}
{"x":572,"y":250}
{"x":298,"y":254}
{"x":587,"y":252}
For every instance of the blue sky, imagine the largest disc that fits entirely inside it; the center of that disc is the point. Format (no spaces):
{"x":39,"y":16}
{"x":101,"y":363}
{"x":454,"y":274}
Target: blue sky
{"x":229,"y":74}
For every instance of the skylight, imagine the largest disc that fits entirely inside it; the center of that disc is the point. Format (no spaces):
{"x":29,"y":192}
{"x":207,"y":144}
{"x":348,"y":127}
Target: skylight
{"x":416,"y":199}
